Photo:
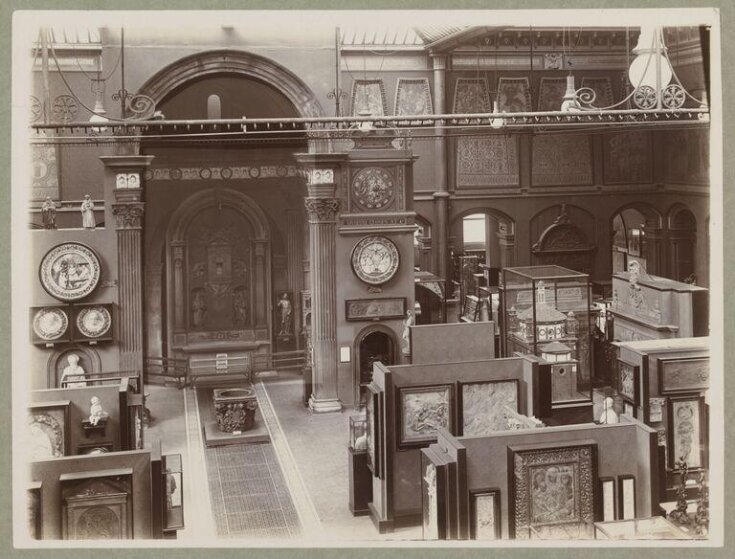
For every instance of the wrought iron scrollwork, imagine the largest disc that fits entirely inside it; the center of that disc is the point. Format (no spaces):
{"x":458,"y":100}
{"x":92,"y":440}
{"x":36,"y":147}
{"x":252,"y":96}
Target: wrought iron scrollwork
{"x":138,"y":106}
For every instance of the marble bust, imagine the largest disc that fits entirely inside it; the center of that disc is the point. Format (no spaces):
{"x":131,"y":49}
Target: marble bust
{"x":608,"y":415}
{"x":74,"y":375}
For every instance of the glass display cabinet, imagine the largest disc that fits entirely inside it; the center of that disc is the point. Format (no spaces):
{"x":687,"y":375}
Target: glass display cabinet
{"x":358,"y":432}
{"x":546,"y":312}
{"x":654,"y":528}
{"x":173,"y":484}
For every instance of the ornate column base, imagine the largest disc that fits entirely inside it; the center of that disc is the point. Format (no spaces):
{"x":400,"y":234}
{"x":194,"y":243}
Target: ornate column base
{"x":324,"y":406}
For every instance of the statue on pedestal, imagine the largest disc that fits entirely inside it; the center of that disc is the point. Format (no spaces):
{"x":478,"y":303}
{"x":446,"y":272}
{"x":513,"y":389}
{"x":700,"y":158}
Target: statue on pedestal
{"x":87,"y":209}
{"x":48,"y":213}
{"x":96,"y":413}
{"x":286,"y":310}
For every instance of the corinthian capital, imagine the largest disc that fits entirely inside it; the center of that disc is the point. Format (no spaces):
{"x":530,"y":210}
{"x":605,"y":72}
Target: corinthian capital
{"x":129,"y":216}
{"x":321,"y":209}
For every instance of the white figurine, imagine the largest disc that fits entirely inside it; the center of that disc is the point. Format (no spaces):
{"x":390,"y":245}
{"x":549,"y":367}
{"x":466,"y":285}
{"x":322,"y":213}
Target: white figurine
{"x":608,"y":415}
{"x":73,"y":375}
{"x":406,"y":334}
{"x":361,"y":442}
{"x":87,"y":209}
{"x":96,"y":413}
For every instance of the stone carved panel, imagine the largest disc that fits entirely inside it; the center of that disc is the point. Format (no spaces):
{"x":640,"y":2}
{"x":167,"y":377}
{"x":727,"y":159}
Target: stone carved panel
{"x":627,"y":158}
{"x":514,"y":95}
{"x":471,"y":96}
{"x":603,"y":91}
{"x":430,"y":504}
{"x":490,"y":160}
{"x":686,"y":153}
{"x":413,"y":97}
{"x":551,"y":487}
{"x":561,"y":160}
{"x":368,"y":96}
{"x":686,"y":433}
{"x":485,"y":406}
{"x":551,"y":93}
{"x":97,"y":509}
{"x":684,"y":375}
{"x":423,"y":410}
{"x":127,"y":180}
{"x":45,"y":171}
{"x":373,"y":188}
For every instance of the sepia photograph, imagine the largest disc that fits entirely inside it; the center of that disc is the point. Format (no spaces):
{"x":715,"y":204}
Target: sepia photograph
{"x":365,"y":278}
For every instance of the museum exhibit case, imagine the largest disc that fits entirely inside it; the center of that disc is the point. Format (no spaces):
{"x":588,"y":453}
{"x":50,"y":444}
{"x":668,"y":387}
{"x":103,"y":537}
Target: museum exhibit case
{"x":546,"y":312}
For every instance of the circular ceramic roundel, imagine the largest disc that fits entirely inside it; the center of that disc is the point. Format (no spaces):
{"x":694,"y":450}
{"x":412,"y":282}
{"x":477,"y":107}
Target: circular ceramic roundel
{"x":375,"y":260}
{"x":50,"y":324}
{"x":372,"y":188}
{"x":94,"y":322}
{"x":70,"y":271}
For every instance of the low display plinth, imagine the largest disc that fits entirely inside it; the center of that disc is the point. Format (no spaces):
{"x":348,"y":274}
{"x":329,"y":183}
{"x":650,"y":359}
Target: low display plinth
{"x":361,"y":483}
{"x":212,"y":434}
{"x":234,"y":409}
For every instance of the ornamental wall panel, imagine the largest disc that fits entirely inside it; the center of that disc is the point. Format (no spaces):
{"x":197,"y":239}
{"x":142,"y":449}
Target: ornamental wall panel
{"x":561,"y":160}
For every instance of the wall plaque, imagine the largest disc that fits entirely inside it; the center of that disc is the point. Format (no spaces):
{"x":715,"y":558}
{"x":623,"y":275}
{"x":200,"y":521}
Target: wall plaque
{"x":368,"y":96}
{"x":373,"y":188}
{"x":413,"y":97}
{"x":375,"y":309}
{"x":375,"y":259}
{"x":421,"y":411}
{"x":687,"y":431}
{"x":70,"y":271}
{"x":487,"y":161}
{"x":471,"y":96}
{"x":49,"y":325}
{"x":629,"y":382}
{"x":484,"y":407}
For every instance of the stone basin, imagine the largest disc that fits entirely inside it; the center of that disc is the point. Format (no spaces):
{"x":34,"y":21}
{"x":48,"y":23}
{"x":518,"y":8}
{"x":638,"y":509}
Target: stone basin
{"x":234,"y":409}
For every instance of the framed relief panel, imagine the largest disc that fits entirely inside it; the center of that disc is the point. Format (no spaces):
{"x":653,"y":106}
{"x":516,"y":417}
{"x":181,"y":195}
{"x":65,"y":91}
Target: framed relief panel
{"x":686,"y":431}
{"x":629,"y":382}
{"x":683,"y":375}
{"x":608,"y":499}
{"x":433,"y":496}
{"x":70,"y":271}
{"x":97,"y":505}
{"x":551,"y":486}
{"x":50,"y":325}
{"x":422,"y":410}
{"x":626,"y":496}
{"x":48,"y":429}
{"x":483,"y":406}
{"x":375,"y":309}
{"x":485,"y":514}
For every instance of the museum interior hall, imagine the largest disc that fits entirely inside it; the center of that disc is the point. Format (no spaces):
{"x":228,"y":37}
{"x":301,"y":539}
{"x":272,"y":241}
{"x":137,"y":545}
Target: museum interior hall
{"x":366,"y":284}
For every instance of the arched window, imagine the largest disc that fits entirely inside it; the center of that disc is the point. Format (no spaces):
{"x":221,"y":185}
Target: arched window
{"x":214,"y":107}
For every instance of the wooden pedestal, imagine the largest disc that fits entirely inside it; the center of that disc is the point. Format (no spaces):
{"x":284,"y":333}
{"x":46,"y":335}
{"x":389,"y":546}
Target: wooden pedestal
{"x":361,"y":482}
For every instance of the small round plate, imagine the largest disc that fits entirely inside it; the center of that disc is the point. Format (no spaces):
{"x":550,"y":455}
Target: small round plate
{"x":94,"y":322}
{"x":70,"y":271}
{"x":50,"y":324}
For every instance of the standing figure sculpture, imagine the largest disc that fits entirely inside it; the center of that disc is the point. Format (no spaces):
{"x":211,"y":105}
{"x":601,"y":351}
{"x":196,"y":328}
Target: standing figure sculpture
{"x":48,"y":213}
{"x":73,"y":375}
{"x":406,"y":334}
{"x":240,"y":307}
{"x":198,"y":309}
{"x":286,"y":311}
{"x":87,"y":209}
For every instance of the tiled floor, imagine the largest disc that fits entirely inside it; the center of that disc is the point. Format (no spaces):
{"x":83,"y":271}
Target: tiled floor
{"x":248,"y":493}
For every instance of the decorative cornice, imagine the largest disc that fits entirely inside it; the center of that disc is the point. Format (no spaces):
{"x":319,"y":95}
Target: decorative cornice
{"x":129,"y":216}
{"x":321,"y":209}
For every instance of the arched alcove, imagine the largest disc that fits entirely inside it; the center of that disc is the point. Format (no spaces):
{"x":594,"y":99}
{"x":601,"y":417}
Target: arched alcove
{"x":374,"y":343}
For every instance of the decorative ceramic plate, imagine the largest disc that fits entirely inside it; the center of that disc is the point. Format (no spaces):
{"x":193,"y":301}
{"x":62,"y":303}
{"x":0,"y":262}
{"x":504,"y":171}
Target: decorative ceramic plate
{"x":50,"y":323}
{"x":372,"y":188}
{"x":70,"y":271}
{"x":375,"y":259}
{"x":94,"y":322}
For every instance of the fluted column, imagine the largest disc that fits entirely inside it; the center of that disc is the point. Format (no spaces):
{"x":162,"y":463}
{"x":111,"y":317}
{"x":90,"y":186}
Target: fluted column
{"x":322,"y":207}
{"x":295,"y":264}
{"x":441,"y":195}
{"x":129,"y":216}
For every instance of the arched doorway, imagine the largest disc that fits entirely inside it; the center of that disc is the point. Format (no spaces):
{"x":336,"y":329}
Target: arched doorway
{"x":682,"y":236}
{"x":374,"y":343}
{"x":635,"y":232}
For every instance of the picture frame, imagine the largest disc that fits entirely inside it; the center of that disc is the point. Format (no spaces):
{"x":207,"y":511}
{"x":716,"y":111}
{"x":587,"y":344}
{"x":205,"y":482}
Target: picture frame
{"x":49,"y":429}
{"x":421,"y":411}
{"x":626,"y":497}
{"x":687,"y":431}
{"x":386,"y":308}
{"x":536,"y":471}
{"x":485,"y":519}
{"x":629,"y":382}
{"x":479,"y":405}
{"x":682,"y":375}
{"x":608,"y":499}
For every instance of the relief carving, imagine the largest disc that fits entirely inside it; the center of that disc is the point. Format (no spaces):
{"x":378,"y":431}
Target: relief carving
{"x":321,"y":209}
{"x":128,"y":216}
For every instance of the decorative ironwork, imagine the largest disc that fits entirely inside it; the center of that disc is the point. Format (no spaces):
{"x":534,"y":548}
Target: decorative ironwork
{"x":65,"y":108}
{"x":673,"y":96}
{"x":138,"y":106}
{"x":645,"y":97}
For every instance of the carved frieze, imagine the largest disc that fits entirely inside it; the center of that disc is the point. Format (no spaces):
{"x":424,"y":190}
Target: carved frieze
{"x":217,"y":173}
{"x":561,"y":160}
{"x":487,"y":161}
{"x":129,"y":215}
{"x":321,"y":209}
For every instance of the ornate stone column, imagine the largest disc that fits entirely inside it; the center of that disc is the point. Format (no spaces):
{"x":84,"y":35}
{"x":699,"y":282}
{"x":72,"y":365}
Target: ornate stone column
{"x":124,"y":192}
{"x":441,"y":196}
{"x":261,"y":278}
{"x":322,"y":207}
